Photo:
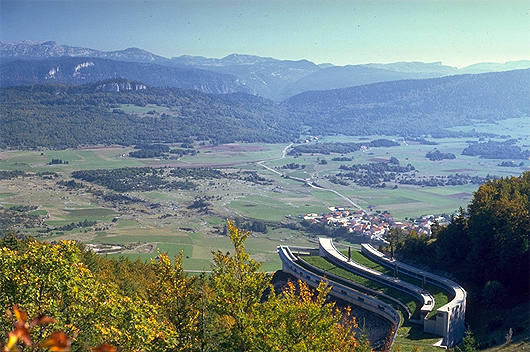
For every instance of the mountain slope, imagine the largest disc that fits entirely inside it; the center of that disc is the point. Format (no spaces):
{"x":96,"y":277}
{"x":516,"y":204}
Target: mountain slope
{"x":415,"y":107}
{"x":79,"y":70}
{"x":496,"y":67}
{"x":61,"y":116}
{"x":357,"y":75}
{"x":37,"y":51}
{"x":267,"y":77}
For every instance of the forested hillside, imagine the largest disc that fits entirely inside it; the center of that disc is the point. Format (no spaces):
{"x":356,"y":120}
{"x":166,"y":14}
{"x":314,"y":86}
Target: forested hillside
{"x":486,"y":248}
{"x":415,"y":107}
{"x":488,"y":242}
{"x":60,"y":116}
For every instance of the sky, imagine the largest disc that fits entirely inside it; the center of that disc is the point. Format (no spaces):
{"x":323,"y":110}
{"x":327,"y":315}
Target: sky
{"x":456,"y":33}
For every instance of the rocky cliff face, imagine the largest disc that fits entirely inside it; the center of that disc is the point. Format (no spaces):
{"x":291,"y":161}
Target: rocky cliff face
{"x":120,"y":87}
{"x":81,"y":70}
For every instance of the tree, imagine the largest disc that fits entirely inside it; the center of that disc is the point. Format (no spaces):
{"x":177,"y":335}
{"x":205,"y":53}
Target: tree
{"x":493,"y":293}
{"x":414,"y":244}
{"x":394,"y":160}
{"x":395,"y":238}
{"x":468,"y":343}
{"x":237,"y":288}
{"x":178,"y":298}
{"x":301,"y":319}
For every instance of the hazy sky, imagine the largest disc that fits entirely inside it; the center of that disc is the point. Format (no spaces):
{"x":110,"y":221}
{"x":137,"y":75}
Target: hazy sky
{"x":458,"y":33}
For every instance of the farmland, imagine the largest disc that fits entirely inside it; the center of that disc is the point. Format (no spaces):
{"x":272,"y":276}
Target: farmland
{"x":162,"y":220}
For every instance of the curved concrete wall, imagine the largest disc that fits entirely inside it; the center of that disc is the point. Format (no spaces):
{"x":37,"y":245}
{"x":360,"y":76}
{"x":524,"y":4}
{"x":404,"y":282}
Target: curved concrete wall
{"x":327,"y":250}
{"x":450,"y":318}
{"x":290,"y":265}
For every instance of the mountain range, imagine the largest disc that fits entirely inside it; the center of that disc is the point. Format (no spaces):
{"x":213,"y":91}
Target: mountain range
{"x":25,"y":63}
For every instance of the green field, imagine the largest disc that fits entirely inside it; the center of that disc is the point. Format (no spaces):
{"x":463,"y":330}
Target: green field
{"x":173,"y":227}
{"x":135,"y":109}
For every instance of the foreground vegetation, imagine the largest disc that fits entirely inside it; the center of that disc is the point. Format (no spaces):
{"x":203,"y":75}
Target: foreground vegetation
{"x":97,"y":301}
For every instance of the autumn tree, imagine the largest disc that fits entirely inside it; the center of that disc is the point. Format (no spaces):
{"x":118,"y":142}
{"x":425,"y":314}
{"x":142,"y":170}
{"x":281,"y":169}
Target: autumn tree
{"x":237,"y":289}
{"x":302,"y":319}
{"x":50,"y":279}
{"x":178,"y":299}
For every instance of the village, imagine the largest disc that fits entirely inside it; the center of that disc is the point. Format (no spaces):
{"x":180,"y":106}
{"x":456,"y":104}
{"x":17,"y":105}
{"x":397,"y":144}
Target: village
{"x":374,"y":225}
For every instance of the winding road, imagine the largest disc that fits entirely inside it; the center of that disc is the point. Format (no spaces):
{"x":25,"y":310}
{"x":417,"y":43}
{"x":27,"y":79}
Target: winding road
{"x":309,"y":182}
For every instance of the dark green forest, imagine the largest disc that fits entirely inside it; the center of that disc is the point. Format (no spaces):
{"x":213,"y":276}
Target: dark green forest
{"x":487,"y":242}
{"x":60,"y":116}
{"x":497,"y":150}
{"x":63,"y":116}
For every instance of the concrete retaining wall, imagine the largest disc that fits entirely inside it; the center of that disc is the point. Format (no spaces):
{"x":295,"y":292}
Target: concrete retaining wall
{"x":450,"y":318}
{"x":348,"y":294}
{"x":327,"y":250}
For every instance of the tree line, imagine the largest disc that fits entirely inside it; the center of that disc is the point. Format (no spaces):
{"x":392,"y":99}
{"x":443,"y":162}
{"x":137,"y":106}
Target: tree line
{"x":340,"y":148}
{"x":132,"y":179}
{"x":497,"y":150}
{"x":487,"y":242}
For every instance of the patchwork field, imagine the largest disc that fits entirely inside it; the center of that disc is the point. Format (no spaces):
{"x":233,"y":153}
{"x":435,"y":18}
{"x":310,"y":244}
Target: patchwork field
{"x":164,"y":222}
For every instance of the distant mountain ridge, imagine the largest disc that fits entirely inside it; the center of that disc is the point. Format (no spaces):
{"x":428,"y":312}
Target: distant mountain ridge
{"x":31,"y":50}
{"x":268,"y":77}
{"x":357,"y":75}
{"x":80,"y":70}
{"x":265,"y":76}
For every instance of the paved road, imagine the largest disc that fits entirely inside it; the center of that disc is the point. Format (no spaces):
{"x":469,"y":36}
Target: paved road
{"x":308,"y":182}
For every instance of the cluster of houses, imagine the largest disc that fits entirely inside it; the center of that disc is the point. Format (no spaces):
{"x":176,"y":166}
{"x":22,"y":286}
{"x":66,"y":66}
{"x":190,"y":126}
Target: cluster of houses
{"x":375,"y":226}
